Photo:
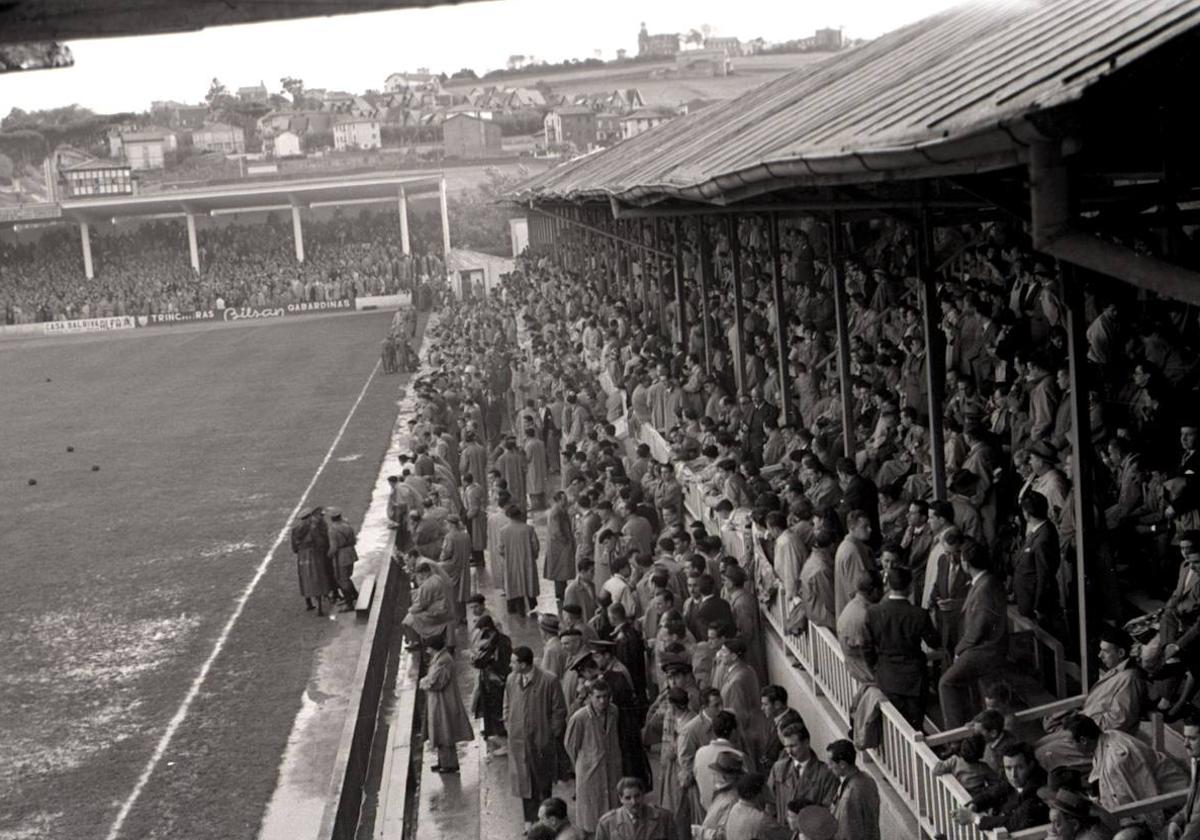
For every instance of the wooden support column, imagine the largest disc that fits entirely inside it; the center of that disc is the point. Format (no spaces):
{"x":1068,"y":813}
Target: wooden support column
{"x":705,"y":267}
{"x":739,"y":306}
{"x":644,"y":265}
{"x":681,"y":323}
{"x":1086,"y":542}
{"x":626,"y":228}
{"x":935,"y":355}
{"x":785,"y":384}
{"x":843,"y":334}
{"x":660,"y":280}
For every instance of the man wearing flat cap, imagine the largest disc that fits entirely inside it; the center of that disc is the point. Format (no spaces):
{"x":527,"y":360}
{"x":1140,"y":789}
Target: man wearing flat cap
{"x":1116,"y":701}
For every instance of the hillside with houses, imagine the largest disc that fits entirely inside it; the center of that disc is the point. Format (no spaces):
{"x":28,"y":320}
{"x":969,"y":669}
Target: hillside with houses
{"x":414,"y":119}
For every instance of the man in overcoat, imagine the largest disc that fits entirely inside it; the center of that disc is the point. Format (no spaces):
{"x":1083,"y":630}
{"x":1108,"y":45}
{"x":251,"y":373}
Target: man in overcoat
{"x":535,"y":716}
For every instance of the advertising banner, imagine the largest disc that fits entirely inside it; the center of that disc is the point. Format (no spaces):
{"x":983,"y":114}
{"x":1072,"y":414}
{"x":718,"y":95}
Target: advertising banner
{"x":254,"y":313}
{"x":177,"y":317}
{"x":383,"y":301}
{"x":86,"y":325}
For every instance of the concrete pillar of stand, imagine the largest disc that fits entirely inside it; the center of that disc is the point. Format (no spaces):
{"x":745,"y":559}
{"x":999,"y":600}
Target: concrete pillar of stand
{"x":298,"y":233}
{"x":193,"y":247}
{"x":445,"y":222}
{"x":404,"y":246}
{"x":85,"y":239}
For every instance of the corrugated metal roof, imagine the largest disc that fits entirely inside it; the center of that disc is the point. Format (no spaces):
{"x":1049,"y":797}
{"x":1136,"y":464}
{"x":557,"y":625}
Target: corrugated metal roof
{"x":952,"y":91}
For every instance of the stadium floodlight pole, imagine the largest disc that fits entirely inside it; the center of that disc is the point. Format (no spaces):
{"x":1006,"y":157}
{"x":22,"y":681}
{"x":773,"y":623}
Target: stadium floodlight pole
{"x":298,"y":233}
{"x":404,"y":245}
{"x":193,"y":248}
{"x":843,"y":332}
{"x":781,"y":343}
{"x":445,"y":221}
{"x":85,"y":239}
{"x":739,"y":306}
{"x":935,"y":355}
{"x":705,"y":281}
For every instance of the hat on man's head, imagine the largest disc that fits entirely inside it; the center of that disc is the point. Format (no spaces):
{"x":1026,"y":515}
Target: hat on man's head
{"x":1070,"y":802}
{"x":572,"y":609}
{"x":476,"y":598}
{"x":602,"y":645}
{"x":728,"y":763}
{"x":676,"y":666}
{"x":548,"y":622}
{"x":1045,"y":451}
{"x":1116,"y":636}
{"x":582,"y":659}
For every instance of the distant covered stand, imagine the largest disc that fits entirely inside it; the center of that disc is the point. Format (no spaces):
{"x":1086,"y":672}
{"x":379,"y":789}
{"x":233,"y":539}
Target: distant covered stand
{"x":292,"y":196}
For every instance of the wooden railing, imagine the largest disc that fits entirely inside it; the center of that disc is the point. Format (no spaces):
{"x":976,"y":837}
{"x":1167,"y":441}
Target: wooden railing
{"x":905,"y":757}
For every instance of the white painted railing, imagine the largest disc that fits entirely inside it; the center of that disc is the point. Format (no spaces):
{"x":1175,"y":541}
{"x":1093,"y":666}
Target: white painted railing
{"x":905,"y":757}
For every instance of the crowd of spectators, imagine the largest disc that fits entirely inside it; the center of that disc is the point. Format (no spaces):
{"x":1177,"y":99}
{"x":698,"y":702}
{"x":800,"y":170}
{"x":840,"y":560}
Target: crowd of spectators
{"x":920,"y":592}
{"x":146,"y":269}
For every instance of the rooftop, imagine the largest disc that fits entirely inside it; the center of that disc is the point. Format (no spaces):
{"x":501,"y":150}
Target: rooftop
{"x":961,"y":91}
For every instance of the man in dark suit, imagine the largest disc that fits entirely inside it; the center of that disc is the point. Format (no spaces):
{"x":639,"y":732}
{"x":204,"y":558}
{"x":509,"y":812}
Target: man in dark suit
{"x":950,"y":587}
{"x":858,"y":494}
{"x":708,"y":608}
{"x":983,"y":640}
{"x":779,"y":715}
{"x":895,"y":629}
{"x":1035,"y":568}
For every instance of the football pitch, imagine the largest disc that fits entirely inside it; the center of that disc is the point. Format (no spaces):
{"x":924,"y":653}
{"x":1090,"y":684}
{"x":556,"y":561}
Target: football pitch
{"x":120,"y":581}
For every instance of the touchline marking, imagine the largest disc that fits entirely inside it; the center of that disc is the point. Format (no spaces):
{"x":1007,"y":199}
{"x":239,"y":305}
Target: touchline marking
{"x":186,"y":705}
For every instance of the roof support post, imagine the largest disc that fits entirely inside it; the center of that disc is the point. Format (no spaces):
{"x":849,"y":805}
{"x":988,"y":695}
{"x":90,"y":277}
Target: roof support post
{"x":843,"y":333}
{"x":705,"y":266}
{"x":660,"y":277}
{"x":404,"y":244}
{"x":785,"y":384}
{"x":643,"y":265}
{"x":193,"y":248}
{"x":739,"y":306}
{"x":298,"y":233}
{"x":935,"y":355}
{"x":627,"y":253}
{"x":445,"y":222}
{"x":1086,"y":543}
{"x":85,"y":239}
{"x":681,"y":324}
{"x":1054,"y":233}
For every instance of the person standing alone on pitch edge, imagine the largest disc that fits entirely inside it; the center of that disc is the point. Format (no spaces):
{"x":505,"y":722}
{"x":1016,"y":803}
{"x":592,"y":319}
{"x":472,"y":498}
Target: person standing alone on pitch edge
{"x":342,"y":540}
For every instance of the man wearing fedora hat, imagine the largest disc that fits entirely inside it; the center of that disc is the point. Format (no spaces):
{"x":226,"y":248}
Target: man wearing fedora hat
{"x":1073,"y":816}
{"x":554,"y":659}
{"x":725,"y":770}
{"x":1046,"y":478}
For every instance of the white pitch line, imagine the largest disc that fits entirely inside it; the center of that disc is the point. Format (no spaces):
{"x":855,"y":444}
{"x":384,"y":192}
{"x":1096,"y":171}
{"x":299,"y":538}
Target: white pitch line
{"x":182,"y":712}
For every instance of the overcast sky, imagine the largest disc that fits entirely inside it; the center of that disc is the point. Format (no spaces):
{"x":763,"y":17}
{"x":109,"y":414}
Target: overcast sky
{"x":356,"y":52}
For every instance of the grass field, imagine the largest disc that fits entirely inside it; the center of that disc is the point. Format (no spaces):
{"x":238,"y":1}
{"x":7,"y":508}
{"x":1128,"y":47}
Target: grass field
{"x":118,"y":582}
